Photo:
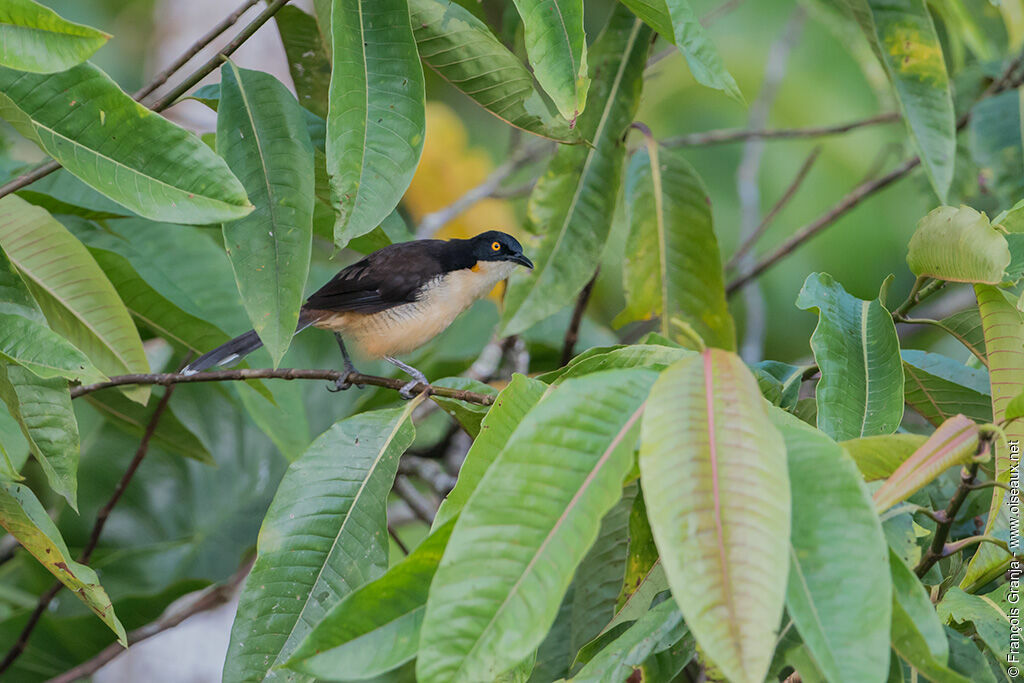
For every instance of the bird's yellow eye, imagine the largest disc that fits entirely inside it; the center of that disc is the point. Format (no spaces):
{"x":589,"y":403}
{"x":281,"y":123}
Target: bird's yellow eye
{"x":495,"y":246}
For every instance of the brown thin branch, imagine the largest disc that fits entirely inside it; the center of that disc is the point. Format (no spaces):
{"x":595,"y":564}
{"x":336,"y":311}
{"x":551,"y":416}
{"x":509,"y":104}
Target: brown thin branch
{"x":207,"y":599}
{"x":202,"y":72}
{"x":724,"y":136}
{"x":936,"y":551}
{"x":805,"y":233}
{"x":790,"y":192}
{"x":572,"y":333}
{"x":94,"y":537}
{"x":419,"y":505}
{"x":207,"y":38}
{"x":357,"y":378}
{"x":398,"y":541}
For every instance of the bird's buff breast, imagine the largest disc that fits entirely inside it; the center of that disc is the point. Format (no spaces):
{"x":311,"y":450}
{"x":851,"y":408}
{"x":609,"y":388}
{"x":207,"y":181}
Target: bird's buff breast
{"x":401,"y":329}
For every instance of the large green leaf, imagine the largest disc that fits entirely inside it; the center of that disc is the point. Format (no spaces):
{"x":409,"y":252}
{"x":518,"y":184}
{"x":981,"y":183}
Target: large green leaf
{"x":984,"y":615}
{"x":855,"y":345}
{"x":377,"y":627}
{"x":42,"y":409}
{"x":939,"y":388}
{"x":464,"y":52}
{"x":958,"y":245}
{"x":965,"y":326}
{"x":573,"y":202}
{"x":508,"y":410}
{"x":504,"y":572}
{"x":557,"y":47}
{"x":599,"y":359}
{"x":170,"y":433}
{"x":261,"y":133}
{"x":903,"y":37}
{"x":840,"y":603}
{"x":1004,"y":330}
{"x":673,"y":267}
{"x":655,"y":631}
{"x":77,"y":298}
{"x":877,"y":457}
{"x":139,"y":159}
{"x":376,"y":121}
{"x":917,"y":633}
{"x":62,"y":193}
{"x":24,"y":517}
{"x":676,"y":22}
{"x":713,"y":470}
{"x":308,"y":63}
{"x":323,"y":536}
{"x":994,"y":142}
{"x":26,"y":339}
{"x":35,"y":38}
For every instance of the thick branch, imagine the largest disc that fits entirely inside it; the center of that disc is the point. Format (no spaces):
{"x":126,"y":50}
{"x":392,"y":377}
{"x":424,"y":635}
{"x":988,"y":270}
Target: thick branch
{"x":202,"y":72}
{"x":94,"y":537}
{"x":209,"y":598}
{"x":169,"y":378}
{"x":720,"y":137}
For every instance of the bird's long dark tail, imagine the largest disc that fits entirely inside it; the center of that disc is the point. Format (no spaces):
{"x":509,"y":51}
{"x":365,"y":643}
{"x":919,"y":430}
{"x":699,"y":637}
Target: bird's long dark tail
{"x":233,"y":351}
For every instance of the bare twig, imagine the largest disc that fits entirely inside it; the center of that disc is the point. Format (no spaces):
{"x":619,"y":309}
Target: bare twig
{"x":202,"y":72}
{"x":169,"y":378}
{"x":207,"y":38}
{"x":398,"y":541}
{"x":936,"y":551}
{"x":747,"y":186}
{"x":420,"y":506}
{"x":790,"y":192}
{"x":94,"y":537}
{"x":572,"y":333}
{"x":433,"y":222}
{"x":429,"y":471}
{"x":207,"y":599}
{"x":719,"y":137}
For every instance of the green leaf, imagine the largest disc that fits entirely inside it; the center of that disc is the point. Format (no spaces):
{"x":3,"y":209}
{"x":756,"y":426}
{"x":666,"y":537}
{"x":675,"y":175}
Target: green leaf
{"x":376,"y":122}
{"x":673,"y":267}
{"x":709,"y":456}
{"x":917,"y":633}
{"x":132,"y":418}
{"x":599,"y":359}
{"x":655,"y":631}
{"x":469,"y":415}
{"x":376,"y":628}
{"x":877,"y":457}
{"x":599,"y":576}
{"x":464,"y":52}
{"x":1004,"y":329}
{"x":573,"y":202}
{"x":903,"y":37}
{"x":24,"y":517}
{"x":42,"y":409}
{"x":955,"y":442}
{"x":994,"y":142}
{"x":308,"y":63}
{"x":261,"y":133}
{"x":781,"y":380}
{"x":965,"y":326}
{"x":855,"y":345}
{"x":939,"y":388}
{"x":26,"y":340}
{"x":959,"y":245}
{"x":323,"y":536}
{"x":82,"y":119}
{"x":496,"y":429}
{"x":504,"y":573}
{"x":845,"y":630}
{"x":557,"y":47}
{"x":988,"y":620}
{"x":77,"y":298}
{"x":62,"y":193}
{"x":675,"y":21}
{"x":35,"y":38}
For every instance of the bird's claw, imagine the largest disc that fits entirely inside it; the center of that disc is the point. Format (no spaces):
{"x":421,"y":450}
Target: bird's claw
{"x":406,"y":390}
{"x":340,"y":384}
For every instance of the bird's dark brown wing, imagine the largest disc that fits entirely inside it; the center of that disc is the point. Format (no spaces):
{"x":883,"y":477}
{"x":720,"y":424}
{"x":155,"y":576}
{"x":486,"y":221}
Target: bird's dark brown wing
{"x":388,"y":277}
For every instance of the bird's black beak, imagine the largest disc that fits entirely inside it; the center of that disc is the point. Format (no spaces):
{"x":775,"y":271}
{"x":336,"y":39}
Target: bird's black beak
{"x":522,"y":260}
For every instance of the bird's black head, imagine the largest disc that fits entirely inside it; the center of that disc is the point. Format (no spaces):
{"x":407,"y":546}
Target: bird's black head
{"x":495,"y":245}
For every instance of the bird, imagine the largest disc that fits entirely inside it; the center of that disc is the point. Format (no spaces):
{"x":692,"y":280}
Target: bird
{"x":395,"y":300}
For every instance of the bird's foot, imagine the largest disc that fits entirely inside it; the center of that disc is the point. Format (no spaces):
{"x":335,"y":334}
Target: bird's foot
{"x":343,"y":383}
{"x":417,"y":377}
{"x":406,"y":390}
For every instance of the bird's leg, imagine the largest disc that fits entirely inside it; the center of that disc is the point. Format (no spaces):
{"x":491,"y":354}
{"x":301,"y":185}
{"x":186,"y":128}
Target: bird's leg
{"x":342,"y":383}
{"x":417,"y":376}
